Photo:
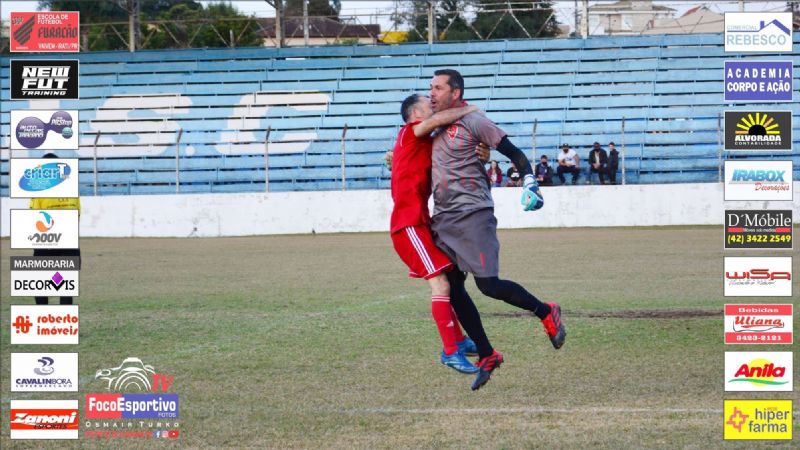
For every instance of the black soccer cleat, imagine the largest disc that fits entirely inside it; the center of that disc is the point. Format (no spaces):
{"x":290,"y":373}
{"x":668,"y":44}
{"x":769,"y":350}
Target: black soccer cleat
{"x":486,"y":366}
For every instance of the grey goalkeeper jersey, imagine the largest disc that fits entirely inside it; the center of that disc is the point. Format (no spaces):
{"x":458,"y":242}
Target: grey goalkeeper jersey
{"x":460,"y":181}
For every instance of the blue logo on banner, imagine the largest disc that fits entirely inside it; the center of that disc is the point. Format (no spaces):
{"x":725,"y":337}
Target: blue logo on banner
{"x":769,"y":81}
{"x":150,"y":406}
{"x":44,"y":176}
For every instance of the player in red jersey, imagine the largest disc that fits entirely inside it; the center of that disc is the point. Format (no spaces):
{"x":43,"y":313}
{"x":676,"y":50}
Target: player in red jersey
{"x":410,"y":221}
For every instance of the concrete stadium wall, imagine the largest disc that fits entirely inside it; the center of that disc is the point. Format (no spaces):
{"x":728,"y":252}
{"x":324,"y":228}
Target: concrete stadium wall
{"x":210,"y":215}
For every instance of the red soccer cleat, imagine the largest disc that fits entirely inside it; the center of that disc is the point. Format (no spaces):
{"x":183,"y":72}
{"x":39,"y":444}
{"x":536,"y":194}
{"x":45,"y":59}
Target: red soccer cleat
{"x":553,"y":327}
{"x":486,"y":366}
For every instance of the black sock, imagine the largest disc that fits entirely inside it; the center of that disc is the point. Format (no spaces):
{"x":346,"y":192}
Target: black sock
{"x":66,"y":300}
{"x":41,"y":300}
{"x":513,"y":294}
{"x":467,"y":313}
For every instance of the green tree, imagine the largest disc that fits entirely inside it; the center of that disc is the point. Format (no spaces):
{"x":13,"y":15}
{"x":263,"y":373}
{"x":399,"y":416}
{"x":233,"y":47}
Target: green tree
{"x":446,"y":11}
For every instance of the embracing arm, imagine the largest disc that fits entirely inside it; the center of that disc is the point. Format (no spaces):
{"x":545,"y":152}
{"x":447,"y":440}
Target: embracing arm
{"x":442,"y":118}
{"x":516,"y":156}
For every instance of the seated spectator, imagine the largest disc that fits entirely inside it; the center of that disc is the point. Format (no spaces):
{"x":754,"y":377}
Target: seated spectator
{"x":514,"y":180}
{"x":568,"y":162}
{"x":613,"y":163}
{"x":543,"y":172}
{"x":495,"y":174}
{"x":598,"y":163}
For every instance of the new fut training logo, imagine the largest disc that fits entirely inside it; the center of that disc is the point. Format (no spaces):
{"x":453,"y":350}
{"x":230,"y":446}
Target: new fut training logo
{"x":44,"y":79}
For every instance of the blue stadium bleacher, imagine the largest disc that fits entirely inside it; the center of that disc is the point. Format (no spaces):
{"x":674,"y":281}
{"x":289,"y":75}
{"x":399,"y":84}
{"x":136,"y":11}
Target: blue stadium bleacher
{"x":667,"y":89}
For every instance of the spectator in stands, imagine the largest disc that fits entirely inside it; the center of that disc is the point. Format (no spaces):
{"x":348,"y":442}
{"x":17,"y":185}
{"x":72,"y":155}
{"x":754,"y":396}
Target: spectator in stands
{"x":495,"y":174}
{"x":514,"y":180}
{"x":613,"y":163}
{"x":598,"y":163}
{"x":568,"y":162}
{"x":543,"y":172}
{"x":55,"y":203}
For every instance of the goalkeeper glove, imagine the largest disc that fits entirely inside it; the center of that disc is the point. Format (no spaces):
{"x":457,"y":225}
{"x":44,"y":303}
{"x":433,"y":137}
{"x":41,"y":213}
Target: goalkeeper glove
{"x":531,"y":195}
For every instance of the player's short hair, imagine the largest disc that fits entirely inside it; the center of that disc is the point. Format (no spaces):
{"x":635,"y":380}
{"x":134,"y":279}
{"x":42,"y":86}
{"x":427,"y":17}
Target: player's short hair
{"x":408,"y":104}
{"x":455,"y":80}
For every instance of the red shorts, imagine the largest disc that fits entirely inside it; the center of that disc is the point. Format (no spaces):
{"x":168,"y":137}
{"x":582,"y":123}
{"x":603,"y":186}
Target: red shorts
{"x":415,"y":247}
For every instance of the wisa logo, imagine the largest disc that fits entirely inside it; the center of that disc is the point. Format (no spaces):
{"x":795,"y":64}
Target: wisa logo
{"x":758,"y":32}
{"x":44,"y":419}
{"x":44,"y":324}
{"x":758,"y":324}
{"x":44,"y":79}
{"x":758,"y":371}
{"x":758,"y":276}
{"x":758,"y":419}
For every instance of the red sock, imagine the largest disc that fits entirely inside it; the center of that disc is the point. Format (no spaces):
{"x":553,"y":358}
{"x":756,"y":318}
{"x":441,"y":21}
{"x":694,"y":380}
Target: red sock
{"x":457,"y":327}
{"x":441,"y":311}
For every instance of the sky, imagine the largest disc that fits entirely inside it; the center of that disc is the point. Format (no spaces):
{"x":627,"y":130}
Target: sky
{"x":564,"y":9}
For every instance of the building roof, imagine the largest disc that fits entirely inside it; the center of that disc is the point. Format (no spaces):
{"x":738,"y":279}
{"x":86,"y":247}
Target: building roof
{"x":319,"y":27}
{"x":627,"y":5}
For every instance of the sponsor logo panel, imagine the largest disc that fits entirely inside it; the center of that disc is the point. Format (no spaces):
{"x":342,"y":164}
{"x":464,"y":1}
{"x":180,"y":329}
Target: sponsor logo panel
{"x":44,"y":372}
{"x":44,"y":324}
{"x":44,"y":79}
{"x":758,"y":276}
{"x":758,"y":180}
{"x":757,"y":420}
{"x":45,"y":31}
{"x":758,"y":229}
{"x":758,"y":81}
{"x":45,"y":283}
{"x":758,"y":32}
{"x":758,"y":372}
{"x":43,"y":178}
{"x":758,"y":130}
{"x":44,"y":419}
{"x":759,"y":324}
{"x":40,"y":228}
{"x":44,"y":129}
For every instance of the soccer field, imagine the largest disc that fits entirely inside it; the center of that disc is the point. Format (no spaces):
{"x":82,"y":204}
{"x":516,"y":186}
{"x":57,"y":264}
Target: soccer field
{"x":323,"y":342}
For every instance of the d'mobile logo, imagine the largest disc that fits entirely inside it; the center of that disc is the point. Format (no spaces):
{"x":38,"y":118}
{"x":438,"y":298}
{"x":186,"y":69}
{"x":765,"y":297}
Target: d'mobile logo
{"x":758,"y":229}
{"x":758,"y":32}
{"x":759,"y":324}
{"x":758,"y":420}
{"x":758,"y":372}
{"x":44,"y":419}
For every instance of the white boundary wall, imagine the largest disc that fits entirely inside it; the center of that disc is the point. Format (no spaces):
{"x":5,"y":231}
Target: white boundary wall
{"x":209,"y":215}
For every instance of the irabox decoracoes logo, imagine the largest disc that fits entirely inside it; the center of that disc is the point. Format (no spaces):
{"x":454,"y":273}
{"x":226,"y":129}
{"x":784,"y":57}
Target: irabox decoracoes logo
{"x":44,"y":419}
{"x":759,"y":324}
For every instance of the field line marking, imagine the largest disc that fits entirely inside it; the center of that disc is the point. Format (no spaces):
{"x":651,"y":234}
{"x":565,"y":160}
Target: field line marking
{"x":521,"y":410}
